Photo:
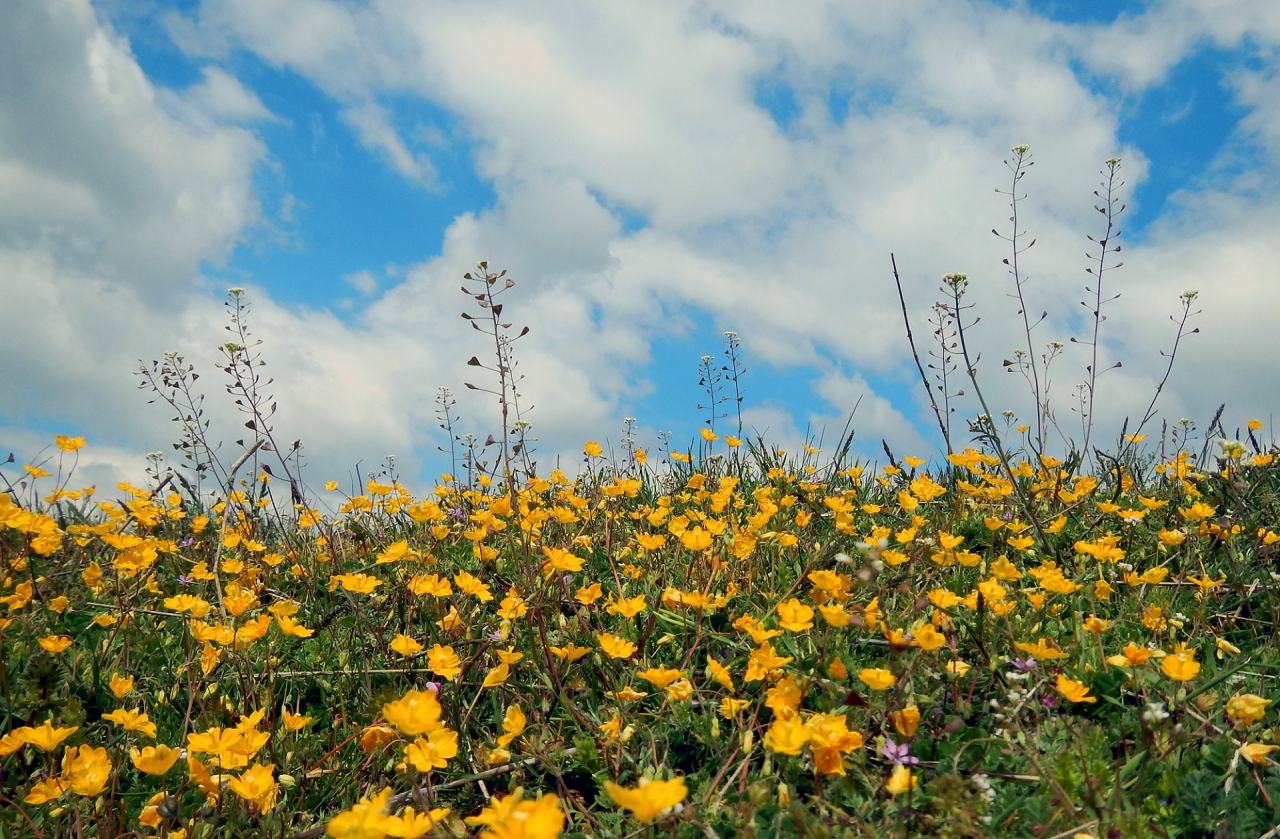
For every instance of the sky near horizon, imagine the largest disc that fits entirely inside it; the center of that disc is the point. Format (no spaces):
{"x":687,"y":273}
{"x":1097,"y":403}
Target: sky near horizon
{"x":652,"y":175}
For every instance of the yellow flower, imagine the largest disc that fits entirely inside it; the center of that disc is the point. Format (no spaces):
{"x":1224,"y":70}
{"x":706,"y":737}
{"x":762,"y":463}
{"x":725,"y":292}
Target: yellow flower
{"x":877,"y":679}
{"x":257,"y":785}
{"x":660,"y":676}
{"x":570,"y":652}
{"x":1256,"y":752}
{"x":592,"y":449}
{"x":513,"y":723}
{"x":417,"y":712}
{"x":412,"y":824}
{"x":452,"y":620}
{"x":434,"y":751}
{"x":762,"y":660}
{"x":86,"y":770}
{"x":795,"y":616}
{"x":431,"y":584}
{"x":1246,"y":708}
{"x":472,"y":587}
{"x":42,"y":792}
{"x":719,"y":674}
{"x":1198,"y":511}
{"x":132,"y":721}
{"x":560,"y":560}
{"x":511,"y":817}
{"x":120,"y":685}
{"x":906,"y":720}
{"x":46,"y":738}
{"x":366,"y":820}
{"x":444,"y":663}
{"x":55,"y":643}
{"x":787,"y":735}
{"x":1093,"y":623}
{"x":958,"y":668}
{"x":648,"y":800}
{"x":354,"y":583}
{"x":1041,"y":650}
{"x":589,"y":594}
{"x":680,"y":690}
{"x":69,"y":444}
{"x":405,"y":645}
{"x":730,"y":707}
{"x":289,"y":626}
{"x":1180,"y":665}
{"x":837,"y":670}
{"x":154,"y":760}
{"x":375,"y":737}
{"x":628,"y":607}
{"x":835,"y":615}
{"x":900,"y":781}
{"x":927,"y":638}
{"x":294,"y":722}
{"x":616,"y":647}
{"x":696,"y":539}
{"x":1074,"y":691}
{"x":197,"y":607}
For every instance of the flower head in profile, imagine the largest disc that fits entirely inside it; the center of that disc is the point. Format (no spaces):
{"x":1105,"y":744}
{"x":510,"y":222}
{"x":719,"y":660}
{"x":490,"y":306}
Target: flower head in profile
{"x":511,"y":816}
{"x":294,"y":722}
{"x":42,"y":792}
{"x":45,"y":737}
{"x":1246,"y":708}
{"x":649,"y":799}
{"x":616,"y":647}
{"x":1074,"y":691}
{"x":900,"y":781}
{"x":132,"y":721}
{"x":1256,"y":752}
{"x":877,"y":679}
{"x":154,"y":760}
{"x":69,"y":444}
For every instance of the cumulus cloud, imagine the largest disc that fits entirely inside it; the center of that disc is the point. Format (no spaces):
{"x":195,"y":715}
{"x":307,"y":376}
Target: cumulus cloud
{"x":638,"y":182}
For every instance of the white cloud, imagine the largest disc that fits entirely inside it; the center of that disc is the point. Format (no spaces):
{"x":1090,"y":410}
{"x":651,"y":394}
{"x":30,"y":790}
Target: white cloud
{"x":363,"y":282}
{"x":373,"y":127}
{"x":112,"y":197}
{"x":222,"y":97}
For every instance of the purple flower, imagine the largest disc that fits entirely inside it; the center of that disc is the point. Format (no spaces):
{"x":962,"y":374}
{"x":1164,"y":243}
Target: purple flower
{"x":185,"y":580}
{"x":1049,"y":701}
{"x":898,"y":755}
{"x":187,"y":542}
{"x":1025,"y":664}
{"x":458,"y":513}
{"x":434,"y":687}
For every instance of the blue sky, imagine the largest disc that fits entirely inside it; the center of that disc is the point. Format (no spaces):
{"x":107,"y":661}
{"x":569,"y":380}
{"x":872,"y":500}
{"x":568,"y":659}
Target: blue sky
{"x":651,"y":181}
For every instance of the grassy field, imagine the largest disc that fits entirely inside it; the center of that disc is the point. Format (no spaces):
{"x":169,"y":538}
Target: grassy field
{"x":731,"y":642}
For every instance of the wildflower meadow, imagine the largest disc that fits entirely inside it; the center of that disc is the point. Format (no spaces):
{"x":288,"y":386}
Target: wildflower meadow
{"x":716,"y":639}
